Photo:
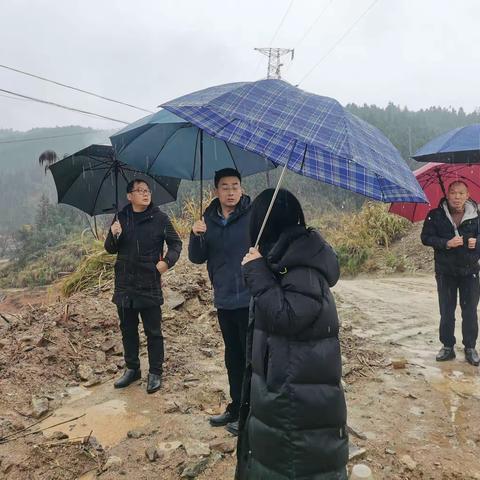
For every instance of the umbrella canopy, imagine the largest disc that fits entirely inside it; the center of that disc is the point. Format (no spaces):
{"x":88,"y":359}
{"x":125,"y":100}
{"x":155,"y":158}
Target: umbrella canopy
{"x":461,"y":145}
{"x":434,"y":178}
{"x":309,"y":134}
{"x":93,"y":181}
{"x":164,"y":144}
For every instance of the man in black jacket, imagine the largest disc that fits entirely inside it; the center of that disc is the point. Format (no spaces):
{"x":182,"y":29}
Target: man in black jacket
{"x":221,"y":239}
{"x":138,"y":236}
{"x":453,"y":231}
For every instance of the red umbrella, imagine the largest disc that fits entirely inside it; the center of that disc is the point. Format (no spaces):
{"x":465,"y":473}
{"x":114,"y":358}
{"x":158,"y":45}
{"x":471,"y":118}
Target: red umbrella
{"x":435,"y":178}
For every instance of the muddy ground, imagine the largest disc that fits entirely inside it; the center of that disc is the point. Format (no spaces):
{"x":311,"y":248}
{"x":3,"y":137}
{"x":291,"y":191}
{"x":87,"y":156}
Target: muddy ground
{"x":58,"y":361}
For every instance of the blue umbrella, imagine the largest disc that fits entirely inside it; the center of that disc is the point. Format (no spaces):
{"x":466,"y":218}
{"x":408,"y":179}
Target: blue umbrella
{"x":306,"y":133}
{"x":164,"y":144}
{"x":461,"y":145}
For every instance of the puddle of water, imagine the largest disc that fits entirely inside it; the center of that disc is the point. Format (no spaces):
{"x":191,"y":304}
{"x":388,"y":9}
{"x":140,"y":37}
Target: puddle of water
{"x":109,"y":422}
{"x":76,"y":393}
{"x":463,"y":384}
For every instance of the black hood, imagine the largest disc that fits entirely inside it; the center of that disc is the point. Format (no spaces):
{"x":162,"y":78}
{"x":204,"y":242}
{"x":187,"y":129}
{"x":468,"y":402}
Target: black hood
{"x":304,"y":247}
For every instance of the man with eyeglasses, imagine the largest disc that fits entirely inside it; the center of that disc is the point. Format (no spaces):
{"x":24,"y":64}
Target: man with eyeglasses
{"x":221,"y":239}
{"x":138,"y":236}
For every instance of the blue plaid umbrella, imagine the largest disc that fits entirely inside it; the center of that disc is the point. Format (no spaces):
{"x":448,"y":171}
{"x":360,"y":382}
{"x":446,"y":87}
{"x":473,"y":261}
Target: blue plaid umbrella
{"x":306,"y":133}
{"x":460,"y":145}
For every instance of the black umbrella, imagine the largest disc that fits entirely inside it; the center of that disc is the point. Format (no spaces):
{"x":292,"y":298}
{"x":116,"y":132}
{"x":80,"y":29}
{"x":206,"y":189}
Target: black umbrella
{"x":94,"y":181}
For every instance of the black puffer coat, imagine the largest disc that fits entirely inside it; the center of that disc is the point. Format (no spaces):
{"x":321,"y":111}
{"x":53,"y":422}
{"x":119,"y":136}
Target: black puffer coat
{"x":223,"y":246}
{"x":438,"y":229}
{"x":296,"y":424}
{"x":139,"y":248}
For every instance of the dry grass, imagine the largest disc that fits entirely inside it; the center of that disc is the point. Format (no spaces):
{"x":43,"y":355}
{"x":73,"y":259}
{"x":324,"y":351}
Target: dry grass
{"x":356,"y":236}
{"x":95,"y":272}
{"x":190,"y":213}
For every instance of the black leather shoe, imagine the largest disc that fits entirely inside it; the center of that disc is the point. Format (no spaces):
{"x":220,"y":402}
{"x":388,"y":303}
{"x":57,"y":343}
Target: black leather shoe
{"x":232,"y":427}
{"x":445,"y":353}
{"x":223,"y":419}
{"x":154,"y":382}
{"x":471,"y":356}
{"x":127,"y":378}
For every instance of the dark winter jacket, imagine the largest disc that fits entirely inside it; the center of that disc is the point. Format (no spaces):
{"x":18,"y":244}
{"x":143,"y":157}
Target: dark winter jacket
{"x":296,"y":423}
{"x":139,"y":249}
{"x":438,"y":228}
{"x":223,"y":247}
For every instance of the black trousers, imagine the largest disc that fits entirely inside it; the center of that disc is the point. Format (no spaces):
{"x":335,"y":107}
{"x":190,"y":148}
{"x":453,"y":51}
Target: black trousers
{"x":468,"y":287}
{"x":233,"y":324}
{"x":151,"y":319}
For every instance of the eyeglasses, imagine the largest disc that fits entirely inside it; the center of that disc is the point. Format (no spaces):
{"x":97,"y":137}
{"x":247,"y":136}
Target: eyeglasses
{"x":142,"y":191}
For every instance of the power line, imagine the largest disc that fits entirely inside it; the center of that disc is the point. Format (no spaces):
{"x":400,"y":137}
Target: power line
{"x":32,"y":139}
{"x":74,"y":88}
{"x":335,"y":45}
{"x":276,"y":31}
{"x":309,"y":29}
{"x":13,"y":98}
{"x":281,"y":22}
{"x":47,"y":102}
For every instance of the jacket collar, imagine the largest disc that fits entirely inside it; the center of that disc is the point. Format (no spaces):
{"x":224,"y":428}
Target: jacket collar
{"x":471,"y":212}
{"x":212,"y":211}
{"x":139,"y":216}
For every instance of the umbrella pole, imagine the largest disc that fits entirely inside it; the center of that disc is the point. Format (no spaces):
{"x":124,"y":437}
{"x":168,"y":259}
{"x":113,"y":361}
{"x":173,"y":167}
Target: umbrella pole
{"x":201,"y":173}
{"x":275,"y":193}
{"x":116,"y":189}
{"x":116,"y":195}
{"x":440,"y":181}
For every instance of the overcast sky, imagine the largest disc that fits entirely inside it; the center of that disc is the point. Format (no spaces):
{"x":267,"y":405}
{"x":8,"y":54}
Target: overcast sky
{"x":415,"y":53}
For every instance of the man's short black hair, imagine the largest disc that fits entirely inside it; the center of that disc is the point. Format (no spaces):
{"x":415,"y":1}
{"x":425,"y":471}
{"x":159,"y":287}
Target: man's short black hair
{"x":226,"y":172}
{"x":131,"y":184}
{"x":457,"y":182}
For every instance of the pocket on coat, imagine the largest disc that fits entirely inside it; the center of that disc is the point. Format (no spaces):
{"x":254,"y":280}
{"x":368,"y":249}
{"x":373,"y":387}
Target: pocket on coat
{"x":147,"y":274}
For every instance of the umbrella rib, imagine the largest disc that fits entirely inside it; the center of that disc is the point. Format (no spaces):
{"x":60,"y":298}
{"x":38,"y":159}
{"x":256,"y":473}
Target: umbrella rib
{"x":150,"y":126}
{"x":304,"y":155}
{"x":122,"y":173}
{"x":99,"y":160}
{"x":231,"y":156}
{"x":166,"y":142}
{"x":152,"y":176}
{"x":100,"y":187}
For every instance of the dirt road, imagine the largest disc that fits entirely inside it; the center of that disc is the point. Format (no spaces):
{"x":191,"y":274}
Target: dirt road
{"x":427,"y":411}
{"x":420,"y":422}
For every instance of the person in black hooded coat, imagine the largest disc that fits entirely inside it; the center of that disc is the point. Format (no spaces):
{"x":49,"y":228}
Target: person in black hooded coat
{"x":293,"y":415}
